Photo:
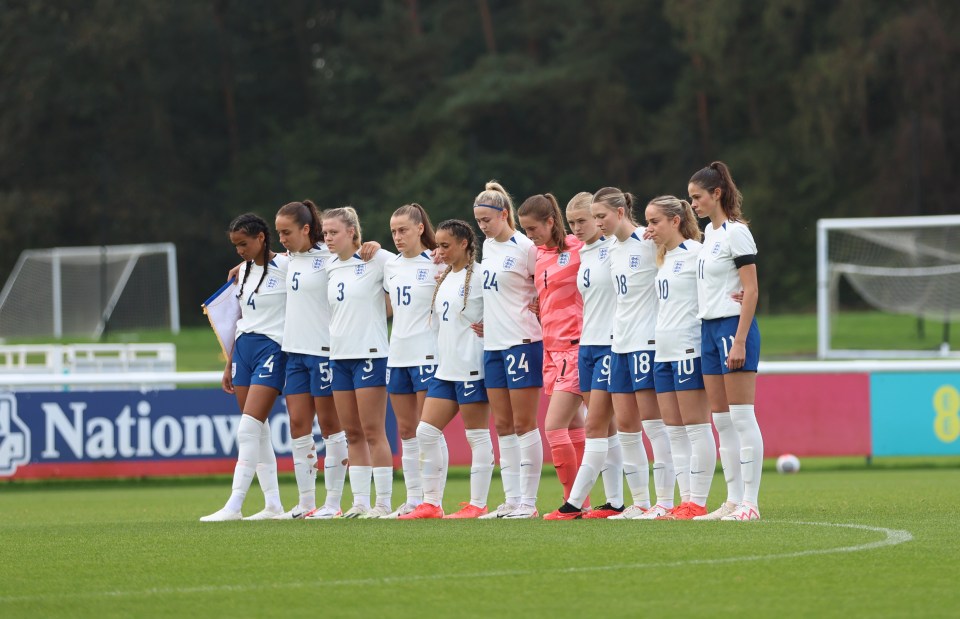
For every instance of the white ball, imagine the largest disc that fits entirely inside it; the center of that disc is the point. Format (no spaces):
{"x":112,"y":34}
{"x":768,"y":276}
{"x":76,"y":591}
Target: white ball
{"x":788,"y":463}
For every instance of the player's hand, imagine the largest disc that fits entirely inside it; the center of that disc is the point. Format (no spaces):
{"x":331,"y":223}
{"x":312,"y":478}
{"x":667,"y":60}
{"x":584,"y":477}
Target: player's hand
{"x":737,"y":296}
{"x":534,"y":307}
{"x":435,"y":256}
{"x":234,"y":272}
{"x":368,"y":250}
{"x":477,"y":328}
{"x":227,"y":381}
{"x":738,"y":354}
{"x":647,"y":235}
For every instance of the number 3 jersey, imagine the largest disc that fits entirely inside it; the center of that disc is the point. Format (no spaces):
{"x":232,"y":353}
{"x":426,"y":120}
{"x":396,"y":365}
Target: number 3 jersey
{"x":307,"y":328}
{"x":507,"y":272}
{"x":678,"y":328}
{"x":633,"y":267}
{"x":358,"y":309}
{"x":460,"y":349}
{"x":262,"y":310}
{"x":717,"y":275}
{"x":410,"y":282}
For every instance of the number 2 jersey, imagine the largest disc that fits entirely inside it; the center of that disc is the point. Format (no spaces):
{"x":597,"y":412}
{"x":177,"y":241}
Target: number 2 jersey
{"x":461,"y":351}
{"x":633,"y":267}
{"x":410,"y":282}
{"x":262,"y":310}
{"x":717,"y":274}
{"x":561,"y":306}
{"x":358,"y":310}
{"x":307,"y":327}
{"x":678,"y":328}
{"x":507,"y":271}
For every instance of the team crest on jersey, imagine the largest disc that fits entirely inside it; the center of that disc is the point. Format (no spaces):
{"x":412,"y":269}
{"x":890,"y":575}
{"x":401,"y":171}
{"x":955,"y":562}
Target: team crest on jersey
{"x":603,"y":253}
{"x":677,"y":266}
{"x":359,"y":270}
{"x":318,"y":263}
{"x":563,"y":259}
{"x":272,"y":282}
{"x":716,"y":249}
{"x":421,"y":275}
{"x":509,"y":262}
{"x":635,"y":262}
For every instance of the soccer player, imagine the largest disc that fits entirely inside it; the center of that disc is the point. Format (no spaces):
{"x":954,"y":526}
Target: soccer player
{"x":306,"y":342}
{"x":677,"y":374}
{"x":633,"y":268}
{"x":560,"y":308}
{"x":358,"y":354}
{"x":458,"y":382}
{"x":410,"y":279}
{"x":255,"y":372}
{"x":730,"y":336}
{"x":513,"y":350}
{"x":602,"y":454}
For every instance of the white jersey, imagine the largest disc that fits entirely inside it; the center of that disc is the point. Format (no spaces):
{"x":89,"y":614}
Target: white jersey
{"x":633,"y":267}
{"x":507,"y":271}
{"x":461,"y":351}
{"x":307,"y":326}
{"x":678,"y":328}
{"x":358,"y":310}
{"x":410,"y":282}
{"x":262,"y":311}
{"x":599,"y":297}
{"x":717,"y":275}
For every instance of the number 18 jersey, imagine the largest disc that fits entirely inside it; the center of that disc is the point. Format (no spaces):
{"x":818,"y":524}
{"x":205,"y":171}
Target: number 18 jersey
{"x":633,"y":267}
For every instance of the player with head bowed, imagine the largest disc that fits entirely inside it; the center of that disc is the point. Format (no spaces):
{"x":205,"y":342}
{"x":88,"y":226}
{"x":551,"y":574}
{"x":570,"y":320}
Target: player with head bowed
{"x":256,"y":370}
{"x":358,"y":354}
{"x":458,"y":382}
{"x":513,"y":350}
{"x":410,"y":279}
{"x":633,"y":269}
{"x":677,"y":366}
{"x":309,"y":380}
{"x":602,"y":454}
{"x":730,"y":337}
{"x":560,"y":309}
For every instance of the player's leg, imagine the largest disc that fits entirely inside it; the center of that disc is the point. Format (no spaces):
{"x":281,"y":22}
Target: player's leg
{"x":372,"y":406}
{"x":695,"y":409}
{"x":495,"y":379}
{"x":359,"y":471}
{"x":259,"y":402}
{"x":475,"y":411}
{"x":564,"y":406}
{"x":635,"y":464}
{"x":439,"y":408}
{"x":300,"y":407}
{"x":594,"y":456}
{"x":525,"y":370}
{"x":407,"y":404}
{"x":741,"y":389}
{"x":335,"y":457}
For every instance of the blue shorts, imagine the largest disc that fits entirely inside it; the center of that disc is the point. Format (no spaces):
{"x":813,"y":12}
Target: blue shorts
{"x":258,"y":360}
{"x":351,"y":374}
{"x":684,"y":375}
{"x":517,"y":367}
{"x":309,"y":374}
{"x":716,"y":338}
{"x":409,"y":379}
{"x":632,"y":371}
{"x":594,"y":362}
{"x":461,"y":392}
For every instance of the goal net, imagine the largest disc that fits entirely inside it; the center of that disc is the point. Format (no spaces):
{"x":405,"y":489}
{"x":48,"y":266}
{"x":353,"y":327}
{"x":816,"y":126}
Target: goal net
{"x":899,"y":265}
{"x":83,"y":291}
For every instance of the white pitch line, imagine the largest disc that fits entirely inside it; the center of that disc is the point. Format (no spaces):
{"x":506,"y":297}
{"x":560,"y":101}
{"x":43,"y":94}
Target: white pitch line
{"x":892,"y":537}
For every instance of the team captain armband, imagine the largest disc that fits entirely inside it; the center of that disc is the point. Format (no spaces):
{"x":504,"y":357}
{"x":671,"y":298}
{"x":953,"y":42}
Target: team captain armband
{"x":742,"y":261}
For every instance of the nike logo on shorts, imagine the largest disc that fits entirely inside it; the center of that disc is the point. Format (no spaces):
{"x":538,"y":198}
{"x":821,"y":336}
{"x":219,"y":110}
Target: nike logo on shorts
{"x":683,"y":380}
{"x":424,"y":380}
{"x":264,"y":375}
{"x":467,"y":394}
{"x":366,"y":377}
{"x":517,"y":378}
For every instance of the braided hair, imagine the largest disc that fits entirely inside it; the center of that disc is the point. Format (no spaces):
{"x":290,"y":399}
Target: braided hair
{"x":461,"y":231}
{"x":252,"y":225}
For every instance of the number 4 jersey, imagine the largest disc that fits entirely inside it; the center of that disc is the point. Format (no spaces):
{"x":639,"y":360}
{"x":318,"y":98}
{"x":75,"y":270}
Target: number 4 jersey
{"x":262,"y":309}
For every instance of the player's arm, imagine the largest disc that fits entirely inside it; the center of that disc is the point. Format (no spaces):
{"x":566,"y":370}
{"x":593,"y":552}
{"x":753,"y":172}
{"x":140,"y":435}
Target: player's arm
{"x":748,"y":308}
{"x":234,"y":272}
{"x":386,"y":298}
{"x":368,"y":250}
{"x":227,"y":381}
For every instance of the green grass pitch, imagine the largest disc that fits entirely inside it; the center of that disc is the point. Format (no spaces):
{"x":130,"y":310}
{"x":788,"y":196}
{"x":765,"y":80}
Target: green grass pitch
{"x":838,"y":540}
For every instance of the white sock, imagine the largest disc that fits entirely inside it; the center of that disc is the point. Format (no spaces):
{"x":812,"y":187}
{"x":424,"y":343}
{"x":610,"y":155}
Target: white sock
{"x":703,"y":461}
{"x":664,"y":478}
{"x":594,"y":455}
{"x":410,"y":459}
{"x":481,"y":468}
{"x":751,"y":449}
{"x":612,"y":472}
{"x":305,"y":470}
{"x":729,"y":456}
{"x":360,"y":484}
{"x":636,"y":467}
{"x":680,"y":450}
{"x":531,"y":466}
{"x":248,"y":453}
{"x":334,"y":469}
{"x":446,"y":454}
{"x":510,"y":467}
{"x":267,"y":470}
{"x":431,"y":462}
{"x":383,"y":483}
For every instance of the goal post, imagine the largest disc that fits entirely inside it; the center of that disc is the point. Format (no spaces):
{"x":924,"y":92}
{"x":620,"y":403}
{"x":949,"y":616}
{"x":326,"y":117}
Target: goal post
{"x":81,"y":291}
{"x":900,"y":265}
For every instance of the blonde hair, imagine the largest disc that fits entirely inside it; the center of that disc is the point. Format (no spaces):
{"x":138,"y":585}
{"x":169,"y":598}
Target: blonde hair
{"x":542,"y":207}
{"x":582,"y":200}
{"x":495,"y":196}
{"x":613,"y":198}
{"x":348,"y":216}
{"x":670,"y":207}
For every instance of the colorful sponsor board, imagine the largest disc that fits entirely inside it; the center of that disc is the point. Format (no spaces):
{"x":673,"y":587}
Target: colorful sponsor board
{"x":915,"y":414}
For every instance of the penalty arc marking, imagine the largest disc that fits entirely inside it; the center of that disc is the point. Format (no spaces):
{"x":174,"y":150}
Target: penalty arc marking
{"x":891,"y":537}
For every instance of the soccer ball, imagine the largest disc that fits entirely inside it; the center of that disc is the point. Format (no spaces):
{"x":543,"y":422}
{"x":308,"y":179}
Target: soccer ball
{"x":788,"y":463}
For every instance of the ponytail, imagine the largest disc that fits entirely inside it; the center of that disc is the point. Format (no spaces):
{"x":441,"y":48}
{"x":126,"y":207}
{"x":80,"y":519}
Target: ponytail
{"x":670,"y":207}
{"x":304,"y":214}
{"x":542,"y":207}
{"x":717,"y":175}
{"x":418,"y":215}
{"x":496,"y":197}
{"x":613,"y":199}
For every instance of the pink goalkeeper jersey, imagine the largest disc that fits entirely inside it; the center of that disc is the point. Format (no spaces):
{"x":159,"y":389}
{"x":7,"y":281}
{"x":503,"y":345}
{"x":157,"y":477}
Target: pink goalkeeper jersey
{"x":561,"y":306}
